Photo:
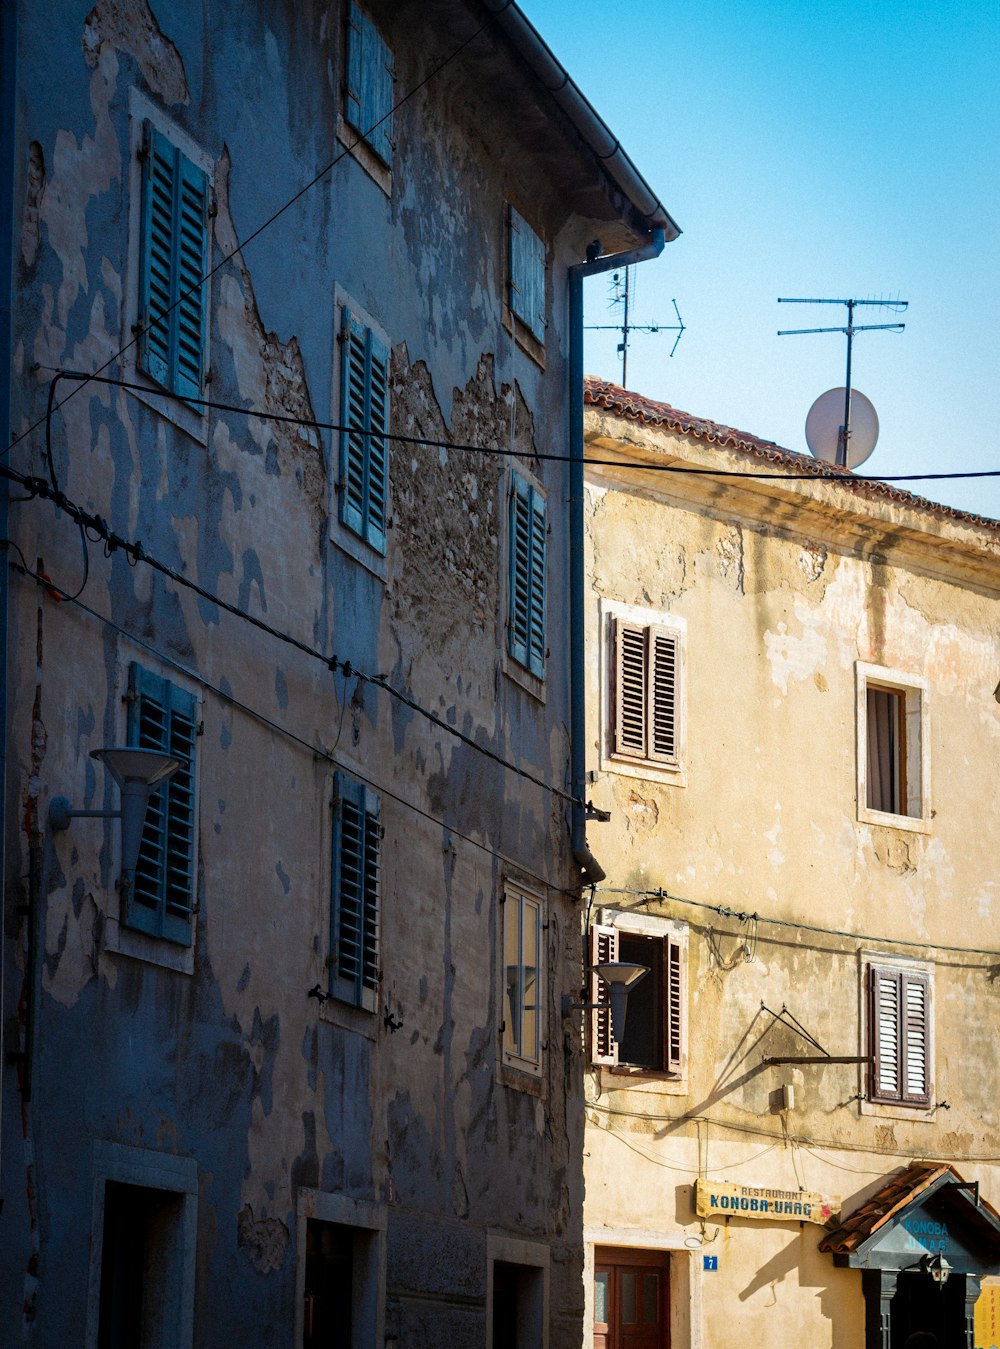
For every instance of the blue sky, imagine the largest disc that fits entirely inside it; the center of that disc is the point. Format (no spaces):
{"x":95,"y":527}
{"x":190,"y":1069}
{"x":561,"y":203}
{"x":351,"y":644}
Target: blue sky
{"x":811,"y":149}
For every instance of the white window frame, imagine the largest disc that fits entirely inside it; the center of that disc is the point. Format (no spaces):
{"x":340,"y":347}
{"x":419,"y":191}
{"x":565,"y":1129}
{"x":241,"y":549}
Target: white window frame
{"x":516,"y":898}
{"x":659,"y":929}
{"x":170,"y":406}
{"x":914,"y":689}
{"x":879,"y":1106}
{"x":674,"y":773}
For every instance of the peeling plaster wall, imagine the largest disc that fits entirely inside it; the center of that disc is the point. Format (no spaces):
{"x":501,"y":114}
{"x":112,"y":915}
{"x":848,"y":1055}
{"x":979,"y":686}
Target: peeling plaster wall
{"x":229,"y":1061}
{"x":763,"y":820}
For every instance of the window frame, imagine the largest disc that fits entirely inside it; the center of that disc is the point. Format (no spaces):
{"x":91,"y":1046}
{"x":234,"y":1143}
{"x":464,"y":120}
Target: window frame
{"x":190,"y":418}
{"x":915,"y":749}
{"x":357,"y":986}
{"x":674,"y":994}
{"x":371,"y":146}
{"x":652,"y":622}
{"x":905,"y":975}
{"x":517,"y":898}
{"x":526,"y":620}
{"x":175,"y":802}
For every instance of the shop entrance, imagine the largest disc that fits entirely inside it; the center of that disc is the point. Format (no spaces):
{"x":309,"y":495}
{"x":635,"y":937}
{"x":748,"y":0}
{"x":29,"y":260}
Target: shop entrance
{"x":921,"y":1304}
{"x":631,"y":1299}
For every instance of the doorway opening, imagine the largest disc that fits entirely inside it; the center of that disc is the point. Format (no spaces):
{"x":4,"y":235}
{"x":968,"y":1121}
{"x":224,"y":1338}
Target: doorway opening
{"x":631,"y":1298}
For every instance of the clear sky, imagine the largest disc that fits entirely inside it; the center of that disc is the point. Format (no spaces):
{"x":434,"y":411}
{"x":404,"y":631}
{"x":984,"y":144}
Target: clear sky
{"x":808,"y":148}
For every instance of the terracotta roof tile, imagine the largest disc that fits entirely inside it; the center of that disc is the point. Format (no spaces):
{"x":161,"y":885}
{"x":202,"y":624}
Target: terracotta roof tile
{"x":637,"y":407}
{"x":900,"y":1190}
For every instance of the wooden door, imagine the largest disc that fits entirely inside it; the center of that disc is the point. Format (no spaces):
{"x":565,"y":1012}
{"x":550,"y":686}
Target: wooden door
{"x":631,"y":1300}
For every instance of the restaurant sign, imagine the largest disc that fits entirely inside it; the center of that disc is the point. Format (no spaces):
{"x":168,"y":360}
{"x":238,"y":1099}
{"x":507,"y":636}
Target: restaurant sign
{"x":723,"y":1200}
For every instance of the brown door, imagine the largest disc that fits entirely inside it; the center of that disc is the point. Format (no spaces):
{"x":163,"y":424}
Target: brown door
{"x":631,"y":1307}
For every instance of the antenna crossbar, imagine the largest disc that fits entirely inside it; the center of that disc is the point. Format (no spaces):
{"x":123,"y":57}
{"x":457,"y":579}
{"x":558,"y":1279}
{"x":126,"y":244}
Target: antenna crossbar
{"x":851,"y":328}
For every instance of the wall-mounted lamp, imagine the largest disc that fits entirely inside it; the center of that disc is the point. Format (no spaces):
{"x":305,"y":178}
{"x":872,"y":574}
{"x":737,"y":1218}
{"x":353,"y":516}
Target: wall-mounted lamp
{"x":620,"y":977}
{"x":138,"y":772}
{"x":937,"y":1267}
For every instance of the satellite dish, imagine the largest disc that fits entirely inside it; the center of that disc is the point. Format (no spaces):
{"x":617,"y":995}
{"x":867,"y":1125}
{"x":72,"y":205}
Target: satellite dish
{"x":825,"y":419}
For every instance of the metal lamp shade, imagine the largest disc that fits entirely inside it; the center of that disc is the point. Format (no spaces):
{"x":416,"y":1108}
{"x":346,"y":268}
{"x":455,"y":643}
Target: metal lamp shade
{"x":620,"y":976}
{"x":138,"y":772}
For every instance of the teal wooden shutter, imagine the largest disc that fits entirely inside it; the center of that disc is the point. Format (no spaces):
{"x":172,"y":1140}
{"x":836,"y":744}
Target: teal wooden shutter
{"x":364,"y":416}
{"x":354,"y":928}
{"x":174,"y":261}
{"x":159,"y":898}
{"x":368,"y":97}
{"x":526,"y":618}
{"x":527,"y":275}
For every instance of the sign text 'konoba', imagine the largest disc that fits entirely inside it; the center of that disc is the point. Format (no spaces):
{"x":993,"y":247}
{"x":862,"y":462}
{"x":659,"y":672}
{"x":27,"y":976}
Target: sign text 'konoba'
{"x":723,"y":1200}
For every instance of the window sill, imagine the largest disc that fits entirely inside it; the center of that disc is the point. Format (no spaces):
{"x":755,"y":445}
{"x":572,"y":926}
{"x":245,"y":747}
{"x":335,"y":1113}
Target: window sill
{"x":623,"y":1076}
{"x":348,"y":1017}
{"x":523,"y":336}
{"x":889,"y":1110}
{"x":516,"y":672}
{"x":361,"y":152}
{"x":363,"y":553}
{"x":120,"y":940}
{"x":912,"y":824}
{"x":647,"y":770}
{"x":526,"y":1079}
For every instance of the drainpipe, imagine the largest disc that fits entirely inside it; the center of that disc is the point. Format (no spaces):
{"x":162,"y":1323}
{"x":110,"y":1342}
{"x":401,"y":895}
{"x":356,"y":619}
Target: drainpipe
{"x":592,"y":870}
{"x":9,"y":36}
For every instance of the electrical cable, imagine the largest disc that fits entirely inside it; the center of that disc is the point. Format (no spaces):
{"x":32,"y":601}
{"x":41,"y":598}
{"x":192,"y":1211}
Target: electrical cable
{"x":829,"y":473}
{"x":726,"y":912}
{"x":317,"y":751}
{"x":137,"y":553}
{"x":362,"y":137}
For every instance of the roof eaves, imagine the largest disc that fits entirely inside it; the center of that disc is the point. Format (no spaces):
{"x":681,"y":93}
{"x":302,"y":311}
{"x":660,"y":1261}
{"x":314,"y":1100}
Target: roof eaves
{"x":637,"y":407}
{"x":603,"y":144}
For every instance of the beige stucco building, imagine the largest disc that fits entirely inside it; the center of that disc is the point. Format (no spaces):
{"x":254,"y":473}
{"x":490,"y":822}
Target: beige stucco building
{"x":794,"y":724}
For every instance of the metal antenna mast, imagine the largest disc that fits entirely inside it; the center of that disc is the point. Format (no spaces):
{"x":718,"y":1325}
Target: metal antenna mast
{"x":621,"y":295}
{"x":850,"y":330}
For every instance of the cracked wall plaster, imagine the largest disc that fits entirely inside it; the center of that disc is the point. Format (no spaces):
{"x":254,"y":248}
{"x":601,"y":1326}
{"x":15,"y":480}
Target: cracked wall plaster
{"x":131,"y":26}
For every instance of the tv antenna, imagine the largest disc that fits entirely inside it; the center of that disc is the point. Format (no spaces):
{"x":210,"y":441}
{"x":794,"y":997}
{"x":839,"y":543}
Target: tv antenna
{"x":621,"y":294}
{"x":819,"y":424}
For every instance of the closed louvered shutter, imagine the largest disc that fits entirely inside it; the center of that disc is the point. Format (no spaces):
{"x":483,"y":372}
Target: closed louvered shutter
{"x":603,"y":948}
{"x":645,"y":691}
{"x":159,"y":899}
{"x":369,"y":94}
{"x":356,"y":884}
{"x":527,"y":275}
{"x":526,"y":618}
{"x":364,"y":449}
{"x":900,"y":1035}
{"x":173,"y":265}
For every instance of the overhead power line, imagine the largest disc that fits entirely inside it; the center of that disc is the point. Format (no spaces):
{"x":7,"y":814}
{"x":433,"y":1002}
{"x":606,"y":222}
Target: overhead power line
{"x":140,"y":331}
{"x":829,"y":474}
{"x":135,"y":552}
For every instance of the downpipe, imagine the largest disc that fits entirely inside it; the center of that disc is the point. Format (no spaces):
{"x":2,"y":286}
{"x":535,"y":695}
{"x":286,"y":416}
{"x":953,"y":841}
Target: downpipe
{"x":591,"y":869}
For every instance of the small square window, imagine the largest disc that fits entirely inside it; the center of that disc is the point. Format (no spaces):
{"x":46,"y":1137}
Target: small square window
{"x":526,"y":577}
{"x":899,"y":1035}
{"x":523,"y":978}
{"x":356,"y":885}
{"x":893,"y":750}
{"x":159,"y":895}
{"x":368,"y":93}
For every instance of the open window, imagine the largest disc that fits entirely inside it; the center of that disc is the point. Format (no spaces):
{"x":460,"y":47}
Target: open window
{"x":655,"y":1025}
{"x":893,"y":748}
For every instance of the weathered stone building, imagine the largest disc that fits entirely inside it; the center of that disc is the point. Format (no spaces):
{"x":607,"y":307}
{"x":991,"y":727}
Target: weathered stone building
{"x":794,"y":724}
{"x":300,"y":1074}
